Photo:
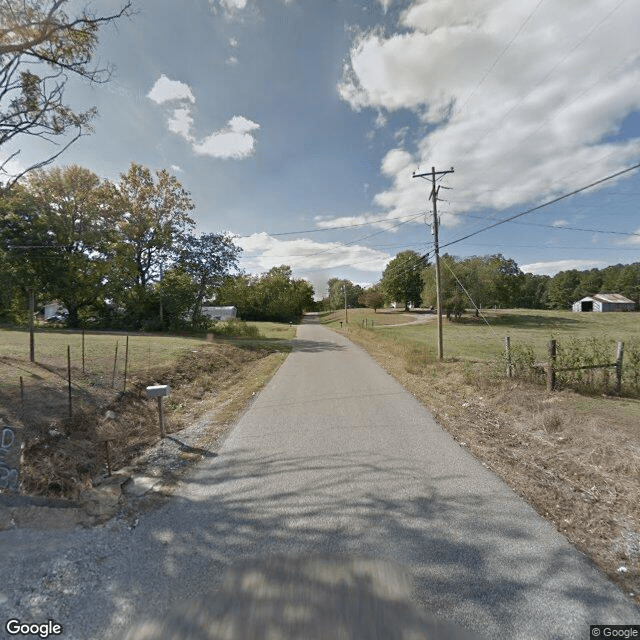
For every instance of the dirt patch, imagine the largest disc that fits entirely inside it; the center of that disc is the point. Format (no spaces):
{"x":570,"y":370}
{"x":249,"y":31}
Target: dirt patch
{"x":66,"y":457}
{"x":576,"y":460}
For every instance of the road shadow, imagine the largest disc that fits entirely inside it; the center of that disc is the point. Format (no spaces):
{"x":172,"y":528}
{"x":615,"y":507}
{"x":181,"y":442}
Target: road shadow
{"x":314,"y":346}
{"x":481,"y":562}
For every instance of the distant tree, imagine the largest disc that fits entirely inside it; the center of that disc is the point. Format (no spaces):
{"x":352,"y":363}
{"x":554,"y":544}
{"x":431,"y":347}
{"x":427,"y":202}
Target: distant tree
{"x":402,"y":278}
{"x":41,"y":46}
{"x":372,"y":299}
{"x":564,"y":289}
{"x":534,"y":291}
{"x":207,"y":259}
{"x":274,"y":295}
{"x":337,"y":289}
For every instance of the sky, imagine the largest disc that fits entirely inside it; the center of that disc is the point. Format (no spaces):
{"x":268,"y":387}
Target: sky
{"x":297,"y":126}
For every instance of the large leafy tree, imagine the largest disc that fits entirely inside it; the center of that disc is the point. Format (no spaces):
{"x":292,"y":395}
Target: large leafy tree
{"x":207,"y":259}
{"x":153,"y":225}
{"x":402,"y":279}
{"x":58,"y":230}
{"x":42,"y":44}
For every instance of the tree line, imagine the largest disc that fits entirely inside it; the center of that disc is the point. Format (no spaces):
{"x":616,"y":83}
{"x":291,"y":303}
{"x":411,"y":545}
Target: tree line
{"x":124,"y":255}
{"x":489,"y":281}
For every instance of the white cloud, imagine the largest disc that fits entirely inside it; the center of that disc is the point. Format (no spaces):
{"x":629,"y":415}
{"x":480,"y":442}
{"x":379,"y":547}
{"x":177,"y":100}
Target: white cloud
{"x":181,"y":122}
{"x":304,"y":255}
{"x":233,"y":5}
{"x":176,"y":168}
{"x":165,"y":90}
{"x":519,"y":123}
{"x":232,"y":60}
{"x":553,"y":267}
{"x":234,"y":141}
{"x":240,"y":124}
{"x":233,"y":42}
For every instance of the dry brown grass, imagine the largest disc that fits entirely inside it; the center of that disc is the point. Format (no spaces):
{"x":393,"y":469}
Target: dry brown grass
{"x":576,"y":460}
{"x":62,"y":456}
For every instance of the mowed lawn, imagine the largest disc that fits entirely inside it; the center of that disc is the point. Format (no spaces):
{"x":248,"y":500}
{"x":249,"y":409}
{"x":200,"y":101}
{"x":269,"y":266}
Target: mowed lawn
{"x":474,"y":339}
{"x":145,"y":351}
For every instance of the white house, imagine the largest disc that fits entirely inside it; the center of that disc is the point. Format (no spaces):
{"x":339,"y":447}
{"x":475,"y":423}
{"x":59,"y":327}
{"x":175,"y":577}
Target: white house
{"x":604,"y":302}
{"x":220,"y":313}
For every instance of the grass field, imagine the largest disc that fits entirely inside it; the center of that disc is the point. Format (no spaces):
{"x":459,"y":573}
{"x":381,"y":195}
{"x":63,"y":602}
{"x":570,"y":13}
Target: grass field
{"x":474,"y":339}
{"x":64,"y":446}
{"x":145,"y":352}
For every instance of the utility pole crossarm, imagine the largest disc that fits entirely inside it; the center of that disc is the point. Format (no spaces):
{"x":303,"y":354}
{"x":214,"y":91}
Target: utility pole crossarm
{"x":434,"y":196}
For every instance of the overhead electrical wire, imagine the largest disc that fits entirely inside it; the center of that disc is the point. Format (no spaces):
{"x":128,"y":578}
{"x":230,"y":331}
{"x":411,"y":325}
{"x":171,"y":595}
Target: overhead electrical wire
{"x":543,"y":205}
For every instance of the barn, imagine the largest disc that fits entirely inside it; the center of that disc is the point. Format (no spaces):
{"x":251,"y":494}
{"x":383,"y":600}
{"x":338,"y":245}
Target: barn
{"x":604,"y":302}
{"x":220,"y":313}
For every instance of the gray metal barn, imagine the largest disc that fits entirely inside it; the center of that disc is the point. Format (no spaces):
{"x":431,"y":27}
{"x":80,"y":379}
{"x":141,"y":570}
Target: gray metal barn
{"x":604,"y":302}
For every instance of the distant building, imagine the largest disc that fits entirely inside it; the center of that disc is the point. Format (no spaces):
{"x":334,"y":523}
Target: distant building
{"x":604,"y":302}
{"x":54,"y":309}
{"x":220,"y":313}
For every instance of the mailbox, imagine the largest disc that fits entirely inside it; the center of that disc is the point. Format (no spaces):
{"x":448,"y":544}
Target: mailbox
{"x":158,"y":391}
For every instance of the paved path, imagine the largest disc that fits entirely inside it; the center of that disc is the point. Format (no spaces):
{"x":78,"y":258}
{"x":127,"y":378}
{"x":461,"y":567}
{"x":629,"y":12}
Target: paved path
{"x":335,"y":457}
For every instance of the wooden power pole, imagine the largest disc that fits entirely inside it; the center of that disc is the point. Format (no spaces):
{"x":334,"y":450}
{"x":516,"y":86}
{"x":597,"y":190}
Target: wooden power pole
{"x":434,"y":196}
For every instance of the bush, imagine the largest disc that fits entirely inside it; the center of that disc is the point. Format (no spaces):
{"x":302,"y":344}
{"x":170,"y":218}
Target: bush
{"x":234,"y":329}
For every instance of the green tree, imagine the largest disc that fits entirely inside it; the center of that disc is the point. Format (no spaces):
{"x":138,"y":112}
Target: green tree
{"x":402,"y":278}
{"x":371,"y":298}
{"x":564,"y":289}
{"x":41,"y":47}
{"x":274,"y":295}
{"x":59,"y":225}
{"x":337,"y":288}
{"x":207,"y":259}
{"x":153,"y":225}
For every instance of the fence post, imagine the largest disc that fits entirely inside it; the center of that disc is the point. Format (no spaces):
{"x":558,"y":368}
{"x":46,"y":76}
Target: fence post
{"x":126,"y":364}
{"x":115,"y":365}
{"x":551,"y":366}
{"x":507,"y":350}
{"x":619,"y":355}
{"x":69,"y":377}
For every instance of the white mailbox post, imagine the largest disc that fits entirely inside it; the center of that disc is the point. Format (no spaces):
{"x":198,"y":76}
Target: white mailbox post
{"x":159,"y":391}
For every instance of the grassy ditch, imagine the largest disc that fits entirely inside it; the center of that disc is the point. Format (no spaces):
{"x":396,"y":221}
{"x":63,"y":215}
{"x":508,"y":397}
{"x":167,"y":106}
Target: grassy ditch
{"x":574,"y":458}
{"x":215,"y":376}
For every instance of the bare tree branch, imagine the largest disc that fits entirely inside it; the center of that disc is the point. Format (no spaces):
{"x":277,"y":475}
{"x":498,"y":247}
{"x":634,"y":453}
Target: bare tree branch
{"x":36,"y":35}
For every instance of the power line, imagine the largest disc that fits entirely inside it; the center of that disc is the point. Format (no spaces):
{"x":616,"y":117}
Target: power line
{"x":562,"y":226}
{"x":545,"y":204}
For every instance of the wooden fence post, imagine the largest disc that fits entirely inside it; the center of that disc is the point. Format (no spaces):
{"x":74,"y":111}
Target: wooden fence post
{"x":126,"y":364}
{"x":115,"y":365}
{"x":507,"y":351}
{"x":619,"y":356}
{"x":69,"y":376}
{"x":551,"y":366}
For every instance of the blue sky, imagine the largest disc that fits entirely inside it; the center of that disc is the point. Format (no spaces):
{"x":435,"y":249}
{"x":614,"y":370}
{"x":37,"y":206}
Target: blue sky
{"x":310,"y":116}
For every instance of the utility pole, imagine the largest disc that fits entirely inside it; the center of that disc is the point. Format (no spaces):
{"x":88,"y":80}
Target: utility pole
{"x":434,"y":196}
{"x":346,"y":317}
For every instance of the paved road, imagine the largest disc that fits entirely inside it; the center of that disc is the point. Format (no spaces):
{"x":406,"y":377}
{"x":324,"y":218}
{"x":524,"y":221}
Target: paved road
{"x":335,"y":457}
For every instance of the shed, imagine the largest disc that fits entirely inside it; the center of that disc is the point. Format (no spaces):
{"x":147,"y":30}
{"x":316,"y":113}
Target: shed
{"x":53,"y":308}
{"x":220,"y":313}
{"x":604,"y":302}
